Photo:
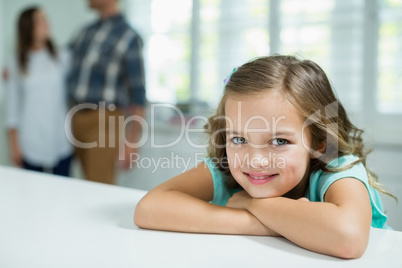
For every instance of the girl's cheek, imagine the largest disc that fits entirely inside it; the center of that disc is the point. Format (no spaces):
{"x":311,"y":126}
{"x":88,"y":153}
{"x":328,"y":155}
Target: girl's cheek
{"x":235,"y":158}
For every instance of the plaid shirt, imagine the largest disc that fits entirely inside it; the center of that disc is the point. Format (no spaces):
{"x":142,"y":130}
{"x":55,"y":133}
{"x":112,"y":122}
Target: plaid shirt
{"x":107,"y":65}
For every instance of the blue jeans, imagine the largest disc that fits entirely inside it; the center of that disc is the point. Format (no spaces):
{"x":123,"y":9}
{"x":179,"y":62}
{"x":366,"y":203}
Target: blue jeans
{"x":62,"y":168}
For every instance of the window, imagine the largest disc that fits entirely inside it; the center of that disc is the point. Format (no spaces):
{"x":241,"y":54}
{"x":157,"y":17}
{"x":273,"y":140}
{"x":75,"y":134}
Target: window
{"x":330,"y":33}
{"x":165,"y":27}
{"x":231,"y":33}
{"x":389,"y":91}
{"x":192,"y":45}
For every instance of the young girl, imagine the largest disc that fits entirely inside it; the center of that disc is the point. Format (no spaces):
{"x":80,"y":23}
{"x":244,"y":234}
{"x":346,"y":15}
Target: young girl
{"x":36,"y":98}
{"x":284,"y":160}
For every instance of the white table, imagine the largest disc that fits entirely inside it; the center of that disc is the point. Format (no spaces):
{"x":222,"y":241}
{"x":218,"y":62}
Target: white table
{"x":49,"y":221}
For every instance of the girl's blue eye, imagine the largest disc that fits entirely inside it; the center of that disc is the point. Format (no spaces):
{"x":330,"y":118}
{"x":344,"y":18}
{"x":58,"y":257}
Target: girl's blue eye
{"x":238,"y":140}
{"x":279,"y":141}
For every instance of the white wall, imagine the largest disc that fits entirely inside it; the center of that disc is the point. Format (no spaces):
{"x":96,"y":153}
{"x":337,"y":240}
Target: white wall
{"x":65,"y":18}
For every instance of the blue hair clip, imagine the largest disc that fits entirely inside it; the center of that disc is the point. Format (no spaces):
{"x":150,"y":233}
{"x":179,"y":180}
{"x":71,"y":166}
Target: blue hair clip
{"x":227,"y":79}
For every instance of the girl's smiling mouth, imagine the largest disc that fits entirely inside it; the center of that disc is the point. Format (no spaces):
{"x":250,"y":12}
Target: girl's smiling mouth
{"x":260,"y":178}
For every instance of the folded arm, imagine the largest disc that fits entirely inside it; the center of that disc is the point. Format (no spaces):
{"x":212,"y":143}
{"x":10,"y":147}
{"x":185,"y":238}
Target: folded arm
{"x":181,"y":204}
{"x":340,"y":226}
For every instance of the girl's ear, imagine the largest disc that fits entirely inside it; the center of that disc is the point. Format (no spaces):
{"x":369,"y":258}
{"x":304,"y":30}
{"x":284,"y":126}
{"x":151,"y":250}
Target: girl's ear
{"x":319,"y":150}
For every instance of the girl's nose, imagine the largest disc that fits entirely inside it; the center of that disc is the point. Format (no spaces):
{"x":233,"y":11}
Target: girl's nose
{"x":259,"y":159}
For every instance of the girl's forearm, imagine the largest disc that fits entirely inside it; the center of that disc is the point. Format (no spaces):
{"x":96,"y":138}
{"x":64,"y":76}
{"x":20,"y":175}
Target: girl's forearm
{"x":177,"y":211}
{"x":317,"y":226}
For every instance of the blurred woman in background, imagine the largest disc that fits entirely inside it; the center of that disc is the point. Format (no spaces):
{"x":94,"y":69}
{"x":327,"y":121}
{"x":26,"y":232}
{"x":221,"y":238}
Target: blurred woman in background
{"x":36,"y":99}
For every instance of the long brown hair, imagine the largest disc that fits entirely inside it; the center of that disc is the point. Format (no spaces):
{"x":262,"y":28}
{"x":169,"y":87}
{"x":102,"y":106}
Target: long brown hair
{"x":307,"y":87}
{"x":25,"y":37}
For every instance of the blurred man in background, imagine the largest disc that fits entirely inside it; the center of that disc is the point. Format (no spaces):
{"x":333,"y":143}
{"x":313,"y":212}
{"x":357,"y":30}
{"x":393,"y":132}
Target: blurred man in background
{"x":107,"y":72}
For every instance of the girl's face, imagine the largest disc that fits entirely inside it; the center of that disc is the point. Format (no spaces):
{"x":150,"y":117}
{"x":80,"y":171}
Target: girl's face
{"x":266,"y":144}
{"x":41,"y":27}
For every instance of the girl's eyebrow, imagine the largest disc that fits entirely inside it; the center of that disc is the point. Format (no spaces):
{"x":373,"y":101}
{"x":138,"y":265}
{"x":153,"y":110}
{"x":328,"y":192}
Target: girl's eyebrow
{"x":233,"y":132}
{"x":283,"y":133}
{"x":277,"y":133}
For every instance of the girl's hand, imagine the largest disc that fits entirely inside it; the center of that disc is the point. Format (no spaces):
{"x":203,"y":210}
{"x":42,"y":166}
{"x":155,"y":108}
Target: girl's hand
{"x":240,"y":200}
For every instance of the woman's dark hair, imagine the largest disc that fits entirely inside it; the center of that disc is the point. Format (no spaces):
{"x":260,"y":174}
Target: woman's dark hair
{"x":25,"y":37}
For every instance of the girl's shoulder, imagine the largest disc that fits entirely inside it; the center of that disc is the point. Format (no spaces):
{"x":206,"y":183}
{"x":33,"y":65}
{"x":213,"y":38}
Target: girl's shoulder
{"x":222,"y":192}
{"x":213,"y":167}
{"x":347,"y":166}
{"x":343,"y":161}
